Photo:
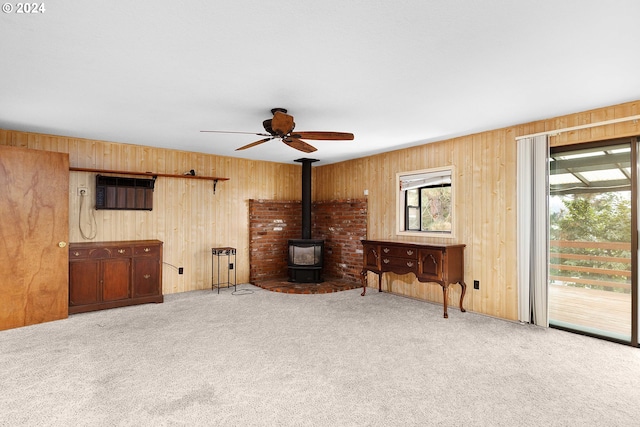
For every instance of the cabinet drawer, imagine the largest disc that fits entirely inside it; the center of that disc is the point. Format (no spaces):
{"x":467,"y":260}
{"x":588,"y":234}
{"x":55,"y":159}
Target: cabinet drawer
{"x":146,"y":250}
{"x":89,"y":253}
{"x":394,"y":263}
{"x":121,"y":251}
{"x":78,"y":253}
{"x":393,"y":251}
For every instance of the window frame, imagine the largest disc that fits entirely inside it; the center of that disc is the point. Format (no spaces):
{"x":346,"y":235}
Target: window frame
{"x":403,"y":211}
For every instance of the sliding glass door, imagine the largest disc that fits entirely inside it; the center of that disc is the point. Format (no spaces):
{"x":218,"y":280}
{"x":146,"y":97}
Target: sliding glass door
{"x":592,"y":235}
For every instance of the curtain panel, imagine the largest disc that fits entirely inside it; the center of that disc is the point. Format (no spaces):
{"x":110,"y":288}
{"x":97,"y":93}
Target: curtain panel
{"x":533,"y":229}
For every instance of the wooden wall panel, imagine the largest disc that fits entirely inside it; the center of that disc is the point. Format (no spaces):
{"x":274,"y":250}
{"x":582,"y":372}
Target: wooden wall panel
{"x":485,"y":200}
{"x":186,"y":215}
{"x":190,"y":219}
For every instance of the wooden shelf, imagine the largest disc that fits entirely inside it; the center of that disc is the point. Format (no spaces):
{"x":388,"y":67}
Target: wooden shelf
{"x":151,"y":174}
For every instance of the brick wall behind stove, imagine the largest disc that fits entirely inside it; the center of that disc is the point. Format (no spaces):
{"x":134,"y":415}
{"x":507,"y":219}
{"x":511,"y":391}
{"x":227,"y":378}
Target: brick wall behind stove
{"x":271,"y":224}
{"x":342,"y":224}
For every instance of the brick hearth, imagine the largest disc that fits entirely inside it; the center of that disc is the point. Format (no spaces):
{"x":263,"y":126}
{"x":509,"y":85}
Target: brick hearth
{"x":325,"y":287}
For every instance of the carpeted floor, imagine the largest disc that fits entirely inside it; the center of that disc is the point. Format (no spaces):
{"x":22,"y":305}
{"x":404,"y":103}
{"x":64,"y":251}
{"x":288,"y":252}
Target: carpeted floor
{"x":259,"y":358}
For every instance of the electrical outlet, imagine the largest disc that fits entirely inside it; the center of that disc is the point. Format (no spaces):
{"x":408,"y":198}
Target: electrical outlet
{"x":180,"y":270}
{"x":476,"y":284}
{"x":83,"y":191}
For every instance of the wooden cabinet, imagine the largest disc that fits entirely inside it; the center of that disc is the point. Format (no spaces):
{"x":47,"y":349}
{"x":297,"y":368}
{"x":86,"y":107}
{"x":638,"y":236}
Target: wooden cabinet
{"x":114,"y":274}
{"x":439,"y":263}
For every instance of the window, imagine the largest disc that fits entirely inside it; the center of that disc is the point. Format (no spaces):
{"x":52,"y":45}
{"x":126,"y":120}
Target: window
{"x":425,"y":202}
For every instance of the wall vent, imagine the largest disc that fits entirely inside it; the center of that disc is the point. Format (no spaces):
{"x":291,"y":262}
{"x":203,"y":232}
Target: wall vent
{"x":114,"y":192}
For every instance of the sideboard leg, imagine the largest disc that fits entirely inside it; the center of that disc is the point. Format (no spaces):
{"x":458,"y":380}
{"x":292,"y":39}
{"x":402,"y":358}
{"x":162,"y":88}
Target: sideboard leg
{"x":464,"y":291}
{"x":445,"y":289}
{"x":363,"y":278}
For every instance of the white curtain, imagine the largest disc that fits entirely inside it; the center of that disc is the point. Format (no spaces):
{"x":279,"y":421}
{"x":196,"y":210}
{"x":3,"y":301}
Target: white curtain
{"x":533,"y":229}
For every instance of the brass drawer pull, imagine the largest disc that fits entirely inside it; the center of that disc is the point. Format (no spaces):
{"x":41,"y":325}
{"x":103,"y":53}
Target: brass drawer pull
{"x":409,"y":264}
{"x":121,"y":251}
{"x":409,"y":252}
{"x":146,"y":276}
{"x":76,"y":253}
{"x":147,"y":249}
{"x":386,"y":260}
{"x":386,"y":250}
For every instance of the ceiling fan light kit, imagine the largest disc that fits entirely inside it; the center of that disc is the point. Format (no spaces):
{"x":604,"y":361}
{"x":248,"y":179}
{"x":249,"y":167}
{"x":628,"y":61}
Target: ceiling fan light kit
{"x":281,"y":126}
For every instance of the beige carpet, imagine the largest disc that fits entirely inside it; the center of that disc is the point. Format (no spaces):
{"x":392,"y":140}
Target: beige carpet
{"x":261,"y":358}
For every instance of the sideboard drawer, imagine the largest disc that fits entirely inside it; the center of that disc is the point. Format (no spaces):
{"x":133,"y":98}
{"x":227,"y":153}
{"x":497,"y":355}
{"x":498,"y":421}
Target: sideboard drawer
{"x":401,"y":252}
{"x":394,"y":263}
{"x":79,"y":254}
{"x":146,"y":250}
{"x":122,"y":251}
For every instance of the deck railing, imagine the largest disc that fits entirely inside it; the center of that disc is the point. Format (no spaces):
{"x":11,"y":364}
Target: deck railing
{"x":605,"y":264}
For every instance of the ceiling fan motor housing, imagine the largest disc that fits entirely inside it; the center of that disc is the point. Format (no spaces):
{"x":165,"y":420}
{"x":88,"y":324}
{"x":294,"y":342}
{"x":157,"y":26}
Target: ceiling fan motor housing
{"x":267,"y":126}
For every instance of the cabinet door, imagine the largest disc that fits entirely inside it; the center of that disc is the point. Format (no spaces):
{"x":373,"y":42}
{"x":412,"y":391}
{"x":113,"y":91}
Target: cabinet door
{"x":84,"y":279}
{"x":430,"y":264}
{"x":116,"y":278}
{"x":371,"y":257}
{"x":146,"y":277}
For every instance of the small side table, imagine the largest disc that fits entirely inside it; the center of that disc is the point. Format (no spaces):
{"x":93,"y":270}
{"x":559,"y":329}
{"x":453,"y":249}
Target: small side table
{"x":216,"y":255}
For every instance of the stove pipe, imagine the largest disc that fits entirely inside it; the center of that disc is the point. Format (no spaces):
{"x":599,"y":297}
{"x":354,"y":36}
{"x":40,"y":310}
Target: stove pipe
{"x":306,"y":196}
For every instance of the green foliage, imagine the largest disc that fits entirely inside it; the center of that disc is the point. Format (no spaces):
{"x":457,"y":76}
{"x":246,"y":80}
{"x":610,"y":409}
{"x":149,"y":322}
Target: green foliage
{"x":600,"y":217}
{"x":593,"y":217}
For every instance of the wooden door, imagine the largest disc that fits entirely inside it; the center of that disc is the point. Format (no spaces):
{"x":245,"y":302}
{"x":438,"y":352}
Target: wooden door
{"x":34,"y":229}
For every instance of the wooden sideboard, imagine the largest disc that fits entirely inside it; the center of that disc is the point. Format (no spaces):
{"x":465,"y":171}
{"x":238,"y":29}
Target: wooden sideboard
{"x":114,"y":274}
{"x":438,"y":263}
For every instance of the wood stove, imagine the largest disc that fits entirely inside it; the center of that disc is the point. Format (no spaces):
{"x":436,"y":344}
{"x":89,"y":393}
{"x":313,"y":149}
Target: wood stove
{"x":305,"y":260}
{"x":305,"y":256}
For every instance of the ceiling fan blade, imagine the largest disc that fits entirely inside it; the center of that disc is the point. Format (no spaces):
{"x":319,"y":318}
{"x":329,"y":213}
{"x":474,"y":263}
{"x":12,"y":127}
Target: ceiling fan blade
{"x":299,"y":144}
{"x":253,"y":144}
{"x":334,"y":136}
{"x":229,"y":131}
{"x":282,"y":123}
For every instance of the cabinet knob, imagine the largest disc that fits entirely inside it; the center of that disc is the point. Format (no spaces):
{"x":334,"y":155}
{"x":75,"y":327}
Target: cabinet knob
{"x":146,"y":276}
{"x":62,"y":244}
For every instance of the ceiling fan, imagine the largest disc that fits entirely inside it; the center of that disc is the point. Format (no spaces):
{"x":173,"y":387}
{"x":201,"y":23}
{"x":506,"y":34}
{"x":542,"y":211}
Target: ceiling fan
{"x":281,"y":126}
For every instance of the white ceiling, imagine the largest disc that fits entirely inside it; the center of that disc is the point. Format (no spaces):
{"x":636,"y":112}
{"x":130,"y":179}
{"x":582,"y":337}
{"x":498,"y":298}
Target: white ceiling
{"x":395,"y":73}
